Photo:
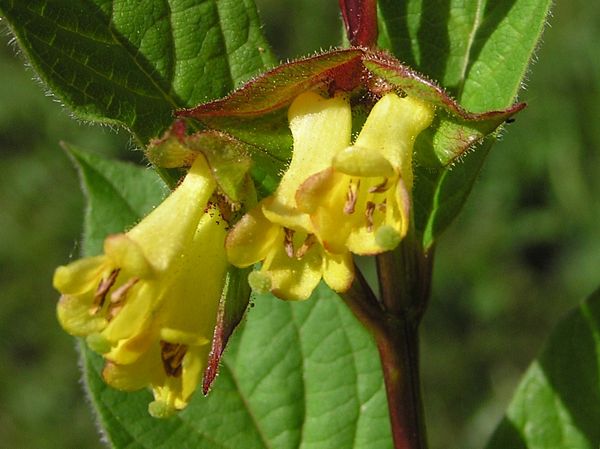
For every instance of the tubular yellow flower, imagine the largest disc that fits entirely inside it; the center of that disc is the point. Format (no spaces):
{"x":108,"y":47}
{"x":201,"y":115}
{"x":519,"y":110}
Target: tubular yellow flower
{"x":149,"y":303}
{"x":361,"y":202}
{"x":276,"y":232}
{"x":335,"y":198}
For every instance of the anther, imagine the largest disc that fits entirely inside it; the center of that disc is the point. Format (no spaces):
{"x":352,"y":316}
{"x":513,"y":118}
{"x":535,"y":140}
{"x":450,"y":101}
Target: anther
{"x":380,"y":188}
{"x":369,"y":215}
{"x":288,"y":242}
{"x":351,"y":198}
{"x":102,"y":290}
{"x":172,"y":355}
{"x":119,"y":294}
{"x":117,"y":298}
{"x":309,"y":241}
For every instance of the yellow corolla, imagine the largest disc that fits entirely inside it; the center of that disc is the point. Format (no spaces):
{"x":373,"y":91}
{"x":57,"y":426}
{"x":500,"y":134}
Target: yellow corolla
{"x":336,"y":198}
{"x":361,"y":201}
{"x":149,"y":303}
{"x":276,"y":232}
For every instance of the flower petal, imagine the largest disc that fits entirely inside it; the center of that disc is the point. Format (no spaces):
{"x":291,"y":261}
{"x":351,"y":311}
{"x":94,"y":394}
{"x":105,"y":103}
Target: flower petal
{"x":80,"y":276}
{"x":320,"y":128}
{"x":363,"y":162}
{"x":127,"y":254}
{"x":167,"y":230}
{"x":391,"y":129}
{"x":74,"y":315}
{"x":134,"y":318}
{"x":251,"y":238}
{"x":338,"y":271}
{"x":190,"y":308}
{"x":194,"y":364}
{"x":294,"y":278}
{"x":144,"y":371}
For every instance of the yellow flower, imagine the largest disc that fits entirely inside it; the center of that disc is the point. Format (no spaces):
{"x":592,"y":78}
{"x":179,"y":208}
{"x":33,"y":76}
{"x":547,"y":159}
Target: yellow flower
{"x":149,"y":303}
{"x":361,"y":201}
{"x":335,"y":198}
{"x":280,"y":235}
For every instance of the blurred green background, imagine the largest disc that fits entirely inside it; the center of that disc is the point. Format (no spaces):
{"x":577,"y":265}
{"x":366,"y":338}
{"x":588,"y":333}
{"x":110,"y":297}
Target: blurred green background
{"x":525,"y":250}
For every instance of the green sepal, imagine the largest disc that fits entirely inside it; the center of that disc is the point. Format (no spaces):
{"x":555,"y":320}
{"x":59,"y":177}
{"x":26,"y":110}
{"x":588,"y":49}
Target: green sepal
{"x":229,"y":158}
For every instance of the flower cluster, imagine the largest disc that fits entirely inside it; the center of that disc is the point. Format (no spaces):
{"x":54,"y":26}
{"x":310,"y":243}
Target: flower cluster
{"x":149,"y":303}
{"x":336,"y":198}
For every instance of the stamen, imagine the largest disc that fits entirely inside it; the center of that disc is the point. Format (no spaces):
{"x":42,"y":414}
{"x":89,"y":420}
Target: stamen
{"x":172,"y":355}
{"x":119,"y":294}
{"x":114,"y":310}
{"x":381,"y":207}
{"x":351,"y":198}
{"x":117,"y":298}
{"x":380,"y":188}
{"x":369,"y":215}
{"x":102,"y":290}
{"x":288,"y":242}
{"x":308,"y":242}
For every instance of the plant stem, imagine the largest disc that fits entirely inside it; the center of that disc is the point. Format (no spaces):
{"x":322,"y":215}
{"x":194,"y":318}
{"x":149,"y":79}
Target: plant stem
{"x":399,"y":353}
{"x":360,"y":19}
{"x":404,"y":281}
{"x":404,"y":284}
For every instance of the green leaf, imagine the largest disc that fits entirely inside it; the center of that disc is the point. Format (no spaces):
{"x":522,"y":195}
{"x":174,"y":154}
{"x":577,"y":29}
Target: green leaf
{"x":445,"y":192}
{"x":480,"y":52}
{"x":302,"y":374}
{"x":297,"y":374}
{"x":454,"y":130}
{"x":557,"y":404}
{"x":133,"y":63}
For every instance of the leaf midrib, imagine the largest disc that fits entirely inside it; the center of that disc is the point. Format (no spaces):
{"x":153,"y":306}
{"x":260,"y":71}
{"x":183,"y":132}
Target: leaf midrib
{"x":477,"y":20}
{"x":115,"y":37}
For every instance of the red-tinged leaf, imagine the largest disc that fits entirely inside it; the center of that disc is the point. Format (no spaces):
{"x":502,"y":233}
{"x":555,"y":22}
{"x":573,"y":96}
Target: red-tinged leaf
{"x":360,"y":20}
{"x":232,"y":307}
{"x":455,"y":130}
{"x":337,"y":70}
{"x":255,"y":113}
{"x":413,"y":83}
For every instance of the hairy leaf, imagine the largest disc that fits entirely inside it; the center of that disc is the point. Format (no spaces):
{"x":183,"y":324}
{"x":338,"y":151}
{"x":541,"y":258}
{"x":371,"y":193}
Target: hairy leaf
{"x":256,"y":113}
{"x":479,"y":51}
{"x":133,"y":63}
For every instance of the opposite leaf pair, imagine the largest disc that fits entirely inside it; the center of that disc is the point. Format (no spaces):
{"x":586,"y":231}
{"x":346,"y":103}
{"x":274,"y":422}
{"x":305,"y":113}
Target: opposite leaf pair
{"x":149,"y":304}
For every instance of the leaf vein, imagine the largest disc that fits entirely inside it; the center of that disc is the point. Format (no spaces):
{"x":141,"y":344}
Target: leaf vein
{"x":118,"y":40}
{"x":470,"y":41}
{"x":244,"y":400}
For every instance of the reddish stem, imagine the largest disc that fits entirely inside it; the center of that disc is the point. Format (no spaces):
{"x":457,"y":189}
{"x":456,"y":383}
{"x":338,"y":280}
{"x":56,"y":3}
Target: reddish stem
{"x":404,"y":280}
{"x":360,"y":19}
{"x":399,"y":352}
